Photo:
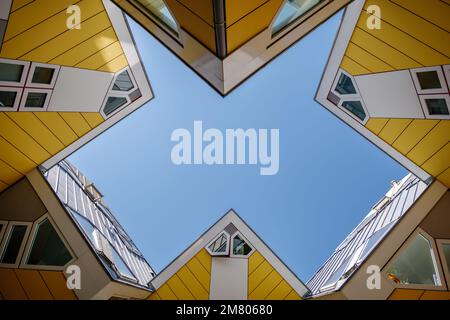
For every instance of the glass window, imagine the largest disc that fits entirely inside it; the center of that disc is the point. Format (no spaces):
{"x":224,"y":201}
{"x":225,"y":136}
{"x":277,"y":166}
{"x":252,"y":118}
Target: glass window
{"x":240,"y":247}
{"x":48,"y":249}
{"x":159,"y":10}
{"x":345,"y":85}
{"x":7,"y":99}
{"x":356,"y":108}
{"x":10,"y":72}
{"x":13,"y":245}
{"x":123,"y":82}
{"x":113,"y":103}
{"x":36,"y":100}
{"x":375,"y":239}
{"x":429,"y":80}
{"x":446,"y":250}
{"x":120,"y":265}
{"x":219,"y":245}
{"x":437,"y":106}
{"x":85,"y":225}
{"x":291,"y":11}
{"x":43,"y":75}
{"x":415,"y":264}
{"x":336,"y":275}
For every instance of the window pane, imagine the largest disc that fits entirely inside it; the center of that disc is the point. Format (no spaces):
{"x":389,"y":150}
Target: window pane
{"x":292,"y":10}
{"x":220,"y":245}
{"x":446,"y":247}
{"x":159,"y":10}
{"x":43,"y":75}
{"x":113,"y":104}
{"x":345,"y":85}
{"x":120,"y":265}
{"x":10,"y":72}
{"x":429,"y":80}
{"x":123,"y":82}
{"x":415,"y":265}
{"x":35,"y":100}
{"x":14,"y":242}
{"x":375,"y":239}
{"x":240,"y":247}
{"x":85,"y":225}
{"x":48,"y":248}
{"x":437,"y":106}
{"x":356,"y":108}
{"x":7,"y":99}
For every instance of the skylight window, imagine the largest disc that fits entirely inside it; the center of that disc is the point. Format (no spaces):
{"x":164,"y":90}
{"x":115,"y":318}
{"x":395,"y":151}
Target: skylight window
{"x":345,"y":85}
{"x":356,"y":108}
{"x":220,"y":245}
{"x":240,"y":246}
{"x":291,"y":11}
{"x":159,"y":10}
{"x":123,"y":82}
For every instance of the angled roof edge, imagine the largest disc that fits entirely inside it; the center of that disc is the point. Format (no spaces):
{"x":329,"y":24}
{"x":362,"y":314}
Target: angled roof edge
{"x":231,"y":217}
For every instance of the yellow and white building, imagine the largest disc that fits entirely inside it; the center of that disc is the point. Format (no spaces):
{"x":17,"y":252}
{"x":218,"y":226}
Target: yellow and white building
{"x":227,"y":41}
{"x":388,"y":77}
{"x":60,"y":87}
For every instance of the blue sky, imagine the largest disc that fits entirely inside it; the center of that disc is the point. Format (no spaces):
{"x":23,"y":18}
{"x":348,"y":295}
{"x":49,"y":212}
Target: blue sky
{"x":328,"y":179}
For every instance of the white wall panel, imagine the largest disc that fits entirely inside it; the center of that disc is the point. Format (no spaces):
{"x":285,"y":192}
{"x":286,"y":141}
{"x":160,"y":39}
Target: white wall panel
{"x":229,"y":279}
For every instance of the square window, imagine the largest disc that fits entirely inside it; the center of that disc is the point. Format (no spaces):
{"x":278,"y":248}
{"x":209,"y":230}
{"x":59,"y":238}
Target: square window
{"x":10,"y":72}
{"x":43,"y":75}
{"x":437,"y":106}
{"x":36,"y":100}
{"x":429,"y":80}
{"x":7,"y":99}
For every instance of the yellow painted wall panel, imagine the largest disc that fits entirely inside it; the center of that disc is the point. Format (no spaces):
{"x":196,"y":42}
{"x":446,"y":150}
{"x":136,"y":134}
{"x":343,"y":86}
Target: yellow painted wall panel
{"x":33,"y":14}
{"x":204,"y":9}
{"x":252,"y":24}
{"x":366,"y":59}
{"x":21,"y":140}
{"x":69,"y":39}
{"x":35,"y":128}
{"x":17,"y":4}
{"x":293,"y":296}
{"x":405,"y":43}
{"x":33,"y":284}
{"x":254,"y":261}
{"x":154,"y":296}
{"x":266,"y":286}
{"x":93,"y":118}
{"x":434,"y":11}
{"x":188,"y":278}
{"x":8,"y":175}
{"x":414,"y":25}
{"x":58,"y":126}
{"x":165,"y":293}
{"x":435,"y":295}
{"x":280,"y":292}
{"x":236,"y":9}
{"x":48,"y":29}
{"x":376,"y":124}
{"x":10,"y":286}
{"x":56,"y":282}
{"x":393,"y":129}
{"x":14,"y":158}
{"x":413,"y":134}
{"x":115,"y":65}
{"x":102,"y":57}
{"x":3,"y":186}
{"x":353,"y":67}
{"x":76,"y":121}
{"x":406,"y":294}
{"x":445,"y":177}
{"x":257,"y":276}
{"x":431,"y":143}
{"x":200,"y":273}
{"x":439,"y":162}
{"x":179,"y":288}
{"x":87,"y":48}
{"x":205,"y":259}
{"x":382,"y":51}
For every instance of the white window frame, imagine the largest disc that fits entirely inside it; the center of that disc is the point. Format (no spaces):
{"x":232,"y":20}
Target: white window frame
{"x":36,"y":90}
{"x":114,"y":94}
{"x":125,"y":93}
{"x":423,"y":103}
{"x":441,"y":287}
{"x":30,"y":84}
{"x":227,"y":250}
{"x":232,"y":255}
{"x":440,"y":74}
{"x":19,"y":92}
{"x":30,"y":242}
{"x":445,"y":263}
{"x":340,"y":105}
{"x":3,"y":231}
{"x":5,"y":242}
{"x":447,"y":74}
{"x":345,"y":96}
{"x":23,"y":78}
